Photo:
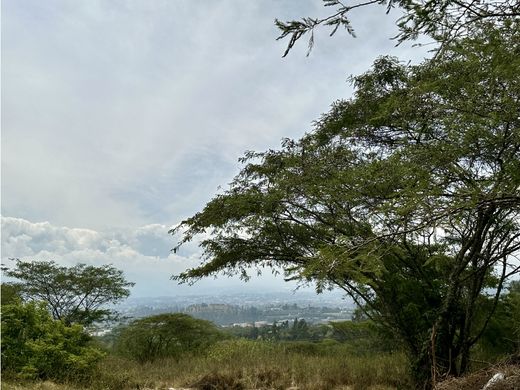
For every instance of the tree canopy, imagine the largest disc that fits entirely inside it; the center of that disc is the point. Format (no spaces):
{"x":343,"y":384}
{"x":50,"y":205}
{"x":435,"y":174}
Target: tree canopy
{"x":165,"y":335}
{"x":407,"y":196}
{"x":73,"y":294}
{"x":442,"y":20}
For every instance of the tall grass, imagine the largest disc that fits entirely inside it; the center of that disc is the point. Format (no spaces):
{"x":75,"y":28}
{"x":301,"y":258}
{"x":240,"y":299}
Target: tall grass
{"x":264,"y":365}
{"x":242,"y":364}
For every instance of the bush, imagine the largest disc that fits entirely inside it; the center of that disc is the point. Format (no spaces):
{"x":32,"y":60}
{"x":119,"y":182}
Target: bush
{"x":37,"y":347}
{"x":165,"y":335}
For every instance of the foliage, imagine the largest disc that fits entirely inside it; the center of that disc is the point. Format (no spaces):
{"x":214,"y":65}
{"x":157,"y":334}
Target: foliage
{"x":73,"y":294}
{"x":502,"y":336}
{"x":406,"y":196}
{"x":512,"y":306}
{"x":10,"y":293}
{"x":442,"y":20}
{"x":36,"y":346}
{"x":365,"y":337}
{"x":165,"y":335}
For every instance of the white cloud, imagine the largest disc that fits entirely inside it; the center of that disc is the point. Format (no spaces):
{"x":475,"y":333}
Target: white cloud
{"x":142,"y":253}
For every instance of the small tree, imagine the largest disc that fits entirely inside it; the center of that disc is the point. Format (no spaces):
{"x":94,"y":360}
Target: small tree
{"x":73,"y":294}
{"x":165,"y":335}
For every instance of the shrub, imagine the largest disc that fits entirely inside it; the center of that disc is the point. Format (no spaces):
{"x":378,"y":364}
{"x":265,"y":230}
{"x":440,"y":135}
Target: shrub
{"x":165,"y":335}
{"x":36,"y":346}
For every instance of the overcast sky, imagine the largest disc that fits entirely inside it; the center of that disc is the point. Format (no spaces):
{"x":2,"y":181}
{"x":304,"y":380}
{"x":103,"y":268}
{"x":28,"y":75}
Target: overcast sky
{"x":121,"y":118}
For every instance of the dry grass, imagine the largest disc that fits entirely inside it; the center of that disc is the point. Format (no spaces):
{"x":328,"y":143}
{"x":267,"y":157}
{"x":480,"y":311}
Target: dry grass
{"x":478,"y":379}
{"x":241,"y":364}
{"x":36,"y":386}
{"x":260,"y":365}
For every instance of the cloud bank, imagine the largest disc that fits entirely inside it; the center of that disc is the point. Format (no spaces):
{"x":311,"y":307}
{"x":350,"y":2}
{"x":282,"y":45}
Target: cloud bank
{"x":142,"y":253}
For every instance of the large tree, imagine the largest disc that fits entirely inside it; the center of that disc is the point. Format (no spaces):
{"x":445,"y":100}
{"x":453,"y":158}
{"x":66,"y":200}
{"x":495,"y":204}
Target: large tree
{"x":406,"y":196}
{"x":75,"y":294}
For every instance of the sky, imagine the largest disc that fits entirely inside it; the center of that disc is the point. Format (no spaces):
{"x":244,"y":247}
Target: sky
{"x":121,"y":118}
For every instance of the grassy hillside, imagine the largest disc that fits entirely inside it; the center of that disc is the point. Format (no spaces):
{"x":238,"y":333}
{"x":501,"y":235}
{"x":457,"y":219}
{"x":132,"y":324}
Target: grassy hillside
{"x":242,"y":364}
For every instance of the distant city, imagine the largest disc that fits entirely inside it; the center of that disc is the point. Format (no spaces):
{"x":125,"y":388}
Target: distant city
{"x":245,"y":309}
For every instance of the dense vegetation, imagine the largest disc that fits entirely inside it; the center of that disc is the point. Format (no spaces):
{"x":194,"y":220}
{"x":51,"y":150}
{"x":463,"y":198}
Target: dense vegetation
{"x":35,"y":346}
